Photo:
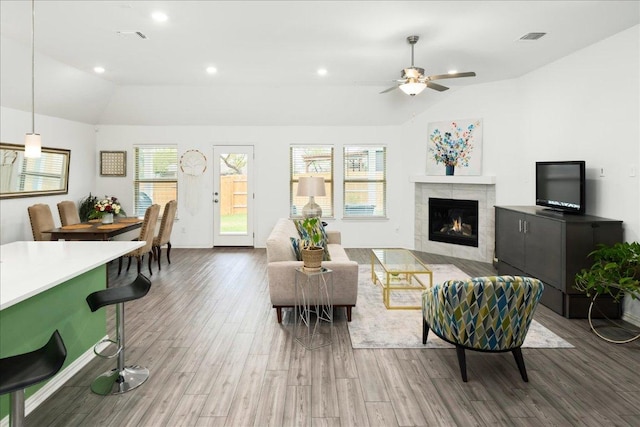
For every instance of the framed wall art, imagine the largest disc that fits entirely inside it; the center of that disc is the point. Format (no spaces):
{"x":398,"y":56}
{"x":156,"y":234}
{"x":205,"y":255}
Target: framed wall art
{"x":113,"y":163}
{"x":455,"y":147}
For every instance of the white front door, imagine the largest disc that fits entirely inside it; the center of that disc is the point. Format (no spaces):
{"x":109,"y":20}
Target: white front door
{"x":233,"y":195}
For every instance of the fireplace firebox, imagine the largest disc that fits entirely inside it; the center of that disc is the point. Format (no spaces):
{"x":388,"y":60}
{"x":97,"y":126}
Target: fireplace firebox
{"x":453,"y":221}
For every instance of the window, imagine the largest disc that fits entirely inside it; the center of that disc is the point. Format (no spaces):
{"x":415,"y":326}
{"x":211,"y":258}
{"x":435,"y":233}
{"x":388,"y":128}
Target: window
{"x":307,"y":160}
{"x":365,"y":181}
{"x":156,"y":177}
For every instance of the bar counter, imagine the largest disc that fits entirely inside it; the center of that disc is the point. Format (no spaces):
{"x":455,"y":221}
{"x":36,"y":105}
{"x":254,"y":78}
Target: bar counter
{"x":43,"y":287}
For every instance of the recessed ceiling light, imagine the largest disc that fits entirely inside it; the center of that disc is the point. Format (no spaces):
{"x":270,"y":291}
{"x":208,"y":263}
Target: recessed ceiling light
{"x":453,"y":71}
{"x":98,"y":70}
{"x":159,"y":16}
{"x":212,"y":70}
{"x":322,"y":71}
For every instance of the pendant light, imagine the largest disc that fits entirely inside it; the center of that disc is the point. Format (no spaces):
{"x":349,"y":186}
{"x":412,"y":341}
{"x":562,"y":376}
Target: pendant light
{"x":32,"y":141}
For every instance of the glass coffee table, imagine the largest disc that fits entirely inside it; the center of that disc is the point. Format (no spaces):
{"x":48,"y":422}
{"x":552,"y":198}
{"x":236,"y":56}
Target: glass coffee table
{"x":400,"y":270}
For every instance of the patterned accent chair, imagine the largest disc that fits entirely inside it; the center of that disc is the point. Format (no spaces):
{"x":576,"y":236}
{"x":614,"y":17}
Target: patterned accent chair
{"x":490,"y":314}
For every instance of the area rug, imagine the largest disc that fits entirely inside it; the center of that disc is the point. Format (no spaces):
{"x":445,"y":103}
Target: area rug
{"x":373,"y":326}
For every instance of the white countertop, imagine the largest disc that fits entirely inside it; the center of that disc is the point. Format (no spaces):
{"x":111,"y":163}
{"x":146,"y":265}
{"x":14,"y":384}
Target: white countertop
{"x":29,"y":268}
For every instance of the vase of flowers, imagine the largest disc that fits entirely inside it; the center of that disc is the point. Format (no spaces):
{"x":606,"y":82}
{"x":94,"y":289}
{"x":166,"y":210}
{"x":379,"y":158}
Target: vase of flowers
{"x":454,"y":147}
{"x":106,"y":209}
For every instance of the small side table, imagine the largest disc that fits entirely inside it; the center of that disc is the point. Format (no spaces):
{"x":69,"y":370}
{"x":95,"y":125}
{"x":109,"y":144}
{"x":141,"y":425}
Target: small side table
{"x":313,"y":306}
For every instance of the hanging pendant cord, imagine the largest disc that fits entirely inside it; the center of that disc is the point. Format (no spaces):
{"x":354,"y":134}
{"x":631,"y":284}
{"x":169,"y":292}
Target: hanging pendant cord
{"x":33,"y":85}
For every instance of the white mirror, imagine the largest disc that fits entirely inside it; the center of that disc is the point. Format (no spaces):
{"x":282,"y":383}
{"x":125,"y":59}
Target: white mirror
{"x":22,"y":177}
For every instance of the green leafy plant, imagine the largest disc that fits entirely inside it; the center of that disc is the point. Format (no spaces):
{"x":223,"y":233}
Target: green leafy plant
{"x":615,"y":271}
{"x":86,"y":206}
{"x":313,"y":230}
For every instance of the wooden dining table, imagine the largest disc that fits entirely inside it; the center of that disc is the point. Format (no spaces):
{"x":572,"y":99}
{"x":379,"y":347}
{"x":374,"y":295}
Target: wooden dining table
{"x":95,"y":229}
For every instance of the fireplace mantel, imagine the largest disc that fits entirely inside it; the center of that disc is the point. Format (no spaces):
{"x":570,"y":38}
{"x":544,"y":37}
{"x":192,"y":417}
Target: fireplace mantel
{"x":455,"y":179}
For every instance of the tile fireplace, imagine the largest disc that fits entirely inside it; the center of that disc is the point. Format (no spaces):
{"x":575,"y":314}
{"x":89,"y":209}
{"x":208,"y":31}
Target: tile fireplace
{"x":452,"y":232}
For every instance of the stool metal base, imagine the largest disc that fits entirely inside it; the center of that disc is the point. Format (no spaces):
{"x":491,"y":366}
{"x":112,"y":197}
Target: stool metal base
{"x":117,"y":382}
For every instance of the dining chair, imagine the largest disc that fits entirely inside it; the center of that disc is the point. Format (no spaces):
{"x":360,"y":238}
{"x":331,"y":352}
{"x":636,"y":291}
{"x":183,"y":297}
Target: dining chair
{"x":41,"y":220}
{"x":68,"y":213}
{"x":164,"y":235}
{"x":146,"y":234}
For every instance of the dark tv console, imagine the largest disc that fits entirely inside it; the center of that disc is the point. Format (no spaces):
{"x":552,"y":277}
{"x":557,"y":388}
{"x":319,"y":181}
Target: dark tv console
{"x":553,"y":247}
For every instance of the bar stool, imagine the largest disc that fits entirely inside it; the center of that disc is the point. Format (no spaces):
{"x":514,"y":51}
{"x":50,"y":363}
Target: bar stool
{"x":123,"y":378}
{"x":24,"y":370}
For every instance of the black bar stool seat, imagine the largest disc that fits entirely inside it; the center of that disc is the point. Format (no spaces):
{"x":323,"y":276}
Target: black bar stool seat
{"x":139,"y":288}
{"x":23,"y":370}
{"x":123,"y":378}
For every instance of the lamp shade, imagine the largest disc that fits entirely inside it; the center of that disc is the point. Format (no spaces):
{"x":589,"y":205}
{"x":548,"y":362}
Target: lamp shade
{"x":32,"y":145}
{"x":413,"y":88}
{"x":311,"y":186}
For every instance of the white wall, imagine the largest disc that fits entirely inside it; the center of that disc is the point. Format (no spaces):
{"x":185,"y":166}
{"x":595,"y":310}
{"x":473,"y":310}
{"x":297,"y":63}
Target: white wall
{"x":567,"y":109}
{"x":271,"y":148}
{"x":56,"y":133}
{"x":582,"y":107}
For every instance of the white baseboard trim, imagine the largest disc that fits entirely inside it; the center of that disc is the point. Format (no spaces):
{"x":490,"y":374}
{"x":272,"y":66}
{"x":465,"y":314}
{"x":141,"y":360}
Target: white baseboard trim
{"x":55,"y":383}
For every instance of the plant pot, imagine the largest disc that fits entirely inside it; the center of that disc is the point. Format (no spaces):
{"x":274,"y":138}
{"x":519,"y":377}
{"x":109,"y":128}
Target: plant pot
{"x":107,"y":218}
{"x":312,"y":257}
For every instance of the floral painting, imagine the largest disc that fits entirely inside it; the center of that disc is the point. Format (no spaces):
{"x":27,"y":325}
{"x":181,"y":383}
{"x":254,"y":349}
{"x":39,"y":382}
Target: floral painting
{"x":455,"y":148}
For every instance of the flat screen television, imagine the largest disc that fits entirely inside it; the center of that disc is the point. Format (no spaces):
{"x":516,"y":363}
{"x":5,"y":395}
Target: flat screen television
{"x":560,"y":185}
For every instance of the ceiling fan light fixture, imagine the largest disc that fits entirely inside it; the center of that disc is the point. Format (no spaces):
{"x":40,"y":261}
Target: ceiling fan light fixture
{"x":413,"y":88}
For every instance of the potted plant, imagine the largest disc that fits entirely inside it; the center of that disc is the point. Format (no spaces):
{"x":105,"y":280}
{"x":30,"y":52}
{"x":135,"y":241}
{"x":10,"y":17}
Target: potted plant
{"x":313,"y":252}
{"x":86,"y":206}
{"x":615,"y":271}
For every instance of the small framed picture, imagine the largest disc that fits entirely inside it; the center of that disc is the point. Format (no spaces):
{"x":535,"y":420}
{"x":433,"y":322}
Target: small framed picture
{"x":113,"y":163}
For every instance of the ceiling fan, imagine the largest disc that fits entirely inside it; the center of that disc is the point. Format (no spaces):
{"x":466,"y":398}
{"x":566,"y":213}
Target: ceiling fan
{"x":414,"y":81}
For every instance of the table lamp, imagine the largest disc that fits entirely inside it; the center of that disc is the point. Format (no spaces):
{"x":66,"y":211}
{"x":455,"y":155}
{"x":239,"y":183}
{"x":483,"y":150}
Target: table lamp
{"x":311,"y":186}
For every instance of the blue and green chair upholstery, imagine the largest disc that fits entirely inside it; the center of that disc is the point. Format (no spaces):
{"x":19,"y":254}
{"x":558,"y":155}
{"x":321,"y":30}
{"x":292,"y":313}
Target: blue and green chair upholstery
{"x":490,"y":314}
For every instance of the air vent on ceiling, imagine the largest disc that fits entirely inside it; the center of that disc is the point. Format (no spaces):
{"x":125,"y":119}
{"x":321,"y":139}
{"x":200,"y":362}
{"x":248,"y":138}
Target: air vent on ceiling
{"x":133,"y":33}
{"x":532,"y":36}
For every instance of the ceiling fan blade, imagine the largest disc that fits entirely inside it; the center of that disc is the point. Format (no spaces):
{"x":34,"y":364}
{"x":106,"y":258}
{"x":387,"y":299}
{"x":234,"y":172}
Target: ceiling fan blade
{"x":452,"y":76}
{"x":436,"y":86}
{"x":389,"y":90}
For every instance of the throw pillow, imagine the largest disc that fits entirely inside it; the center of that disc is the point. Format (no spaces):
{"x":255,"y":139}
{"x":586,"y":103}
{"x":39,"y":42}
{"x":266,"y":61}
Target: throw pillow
{"x":318,"y":228}
{"x":296,"y":248}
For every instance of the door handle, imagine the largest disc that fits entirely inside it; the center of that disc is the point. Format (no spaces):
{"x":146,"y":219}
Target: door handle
{"x":519,"y":226}
{"x":526,"y":229}
{"x":215,"y":200}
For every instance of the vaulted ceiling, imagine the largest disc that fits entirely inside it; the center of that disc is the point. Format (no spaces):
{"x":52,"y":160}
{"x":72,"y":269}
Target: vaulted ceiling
{"x":267,"y":54}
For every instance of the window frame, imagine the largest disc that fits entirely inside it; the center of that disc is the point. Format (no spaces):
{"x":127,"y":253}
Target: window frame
{"x":347,"y":154}
{"x":293,"y":178}
{"x":136,"y":174}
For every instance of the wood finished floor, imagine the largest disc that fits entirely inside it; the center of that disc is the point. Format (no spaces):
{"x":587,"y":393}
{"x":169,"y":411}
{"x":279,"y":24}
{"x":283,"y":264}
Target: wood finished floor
{"x":218,"y":358}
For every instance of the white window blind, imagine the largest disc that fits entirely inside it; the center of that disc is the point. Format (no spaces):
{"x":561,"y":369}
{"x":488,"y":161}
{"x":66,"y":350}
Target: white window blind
{"x":365,"y":181}
{"x":42,"y":174}
{"x":308,"y":160}
{"x":156,"y":176}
